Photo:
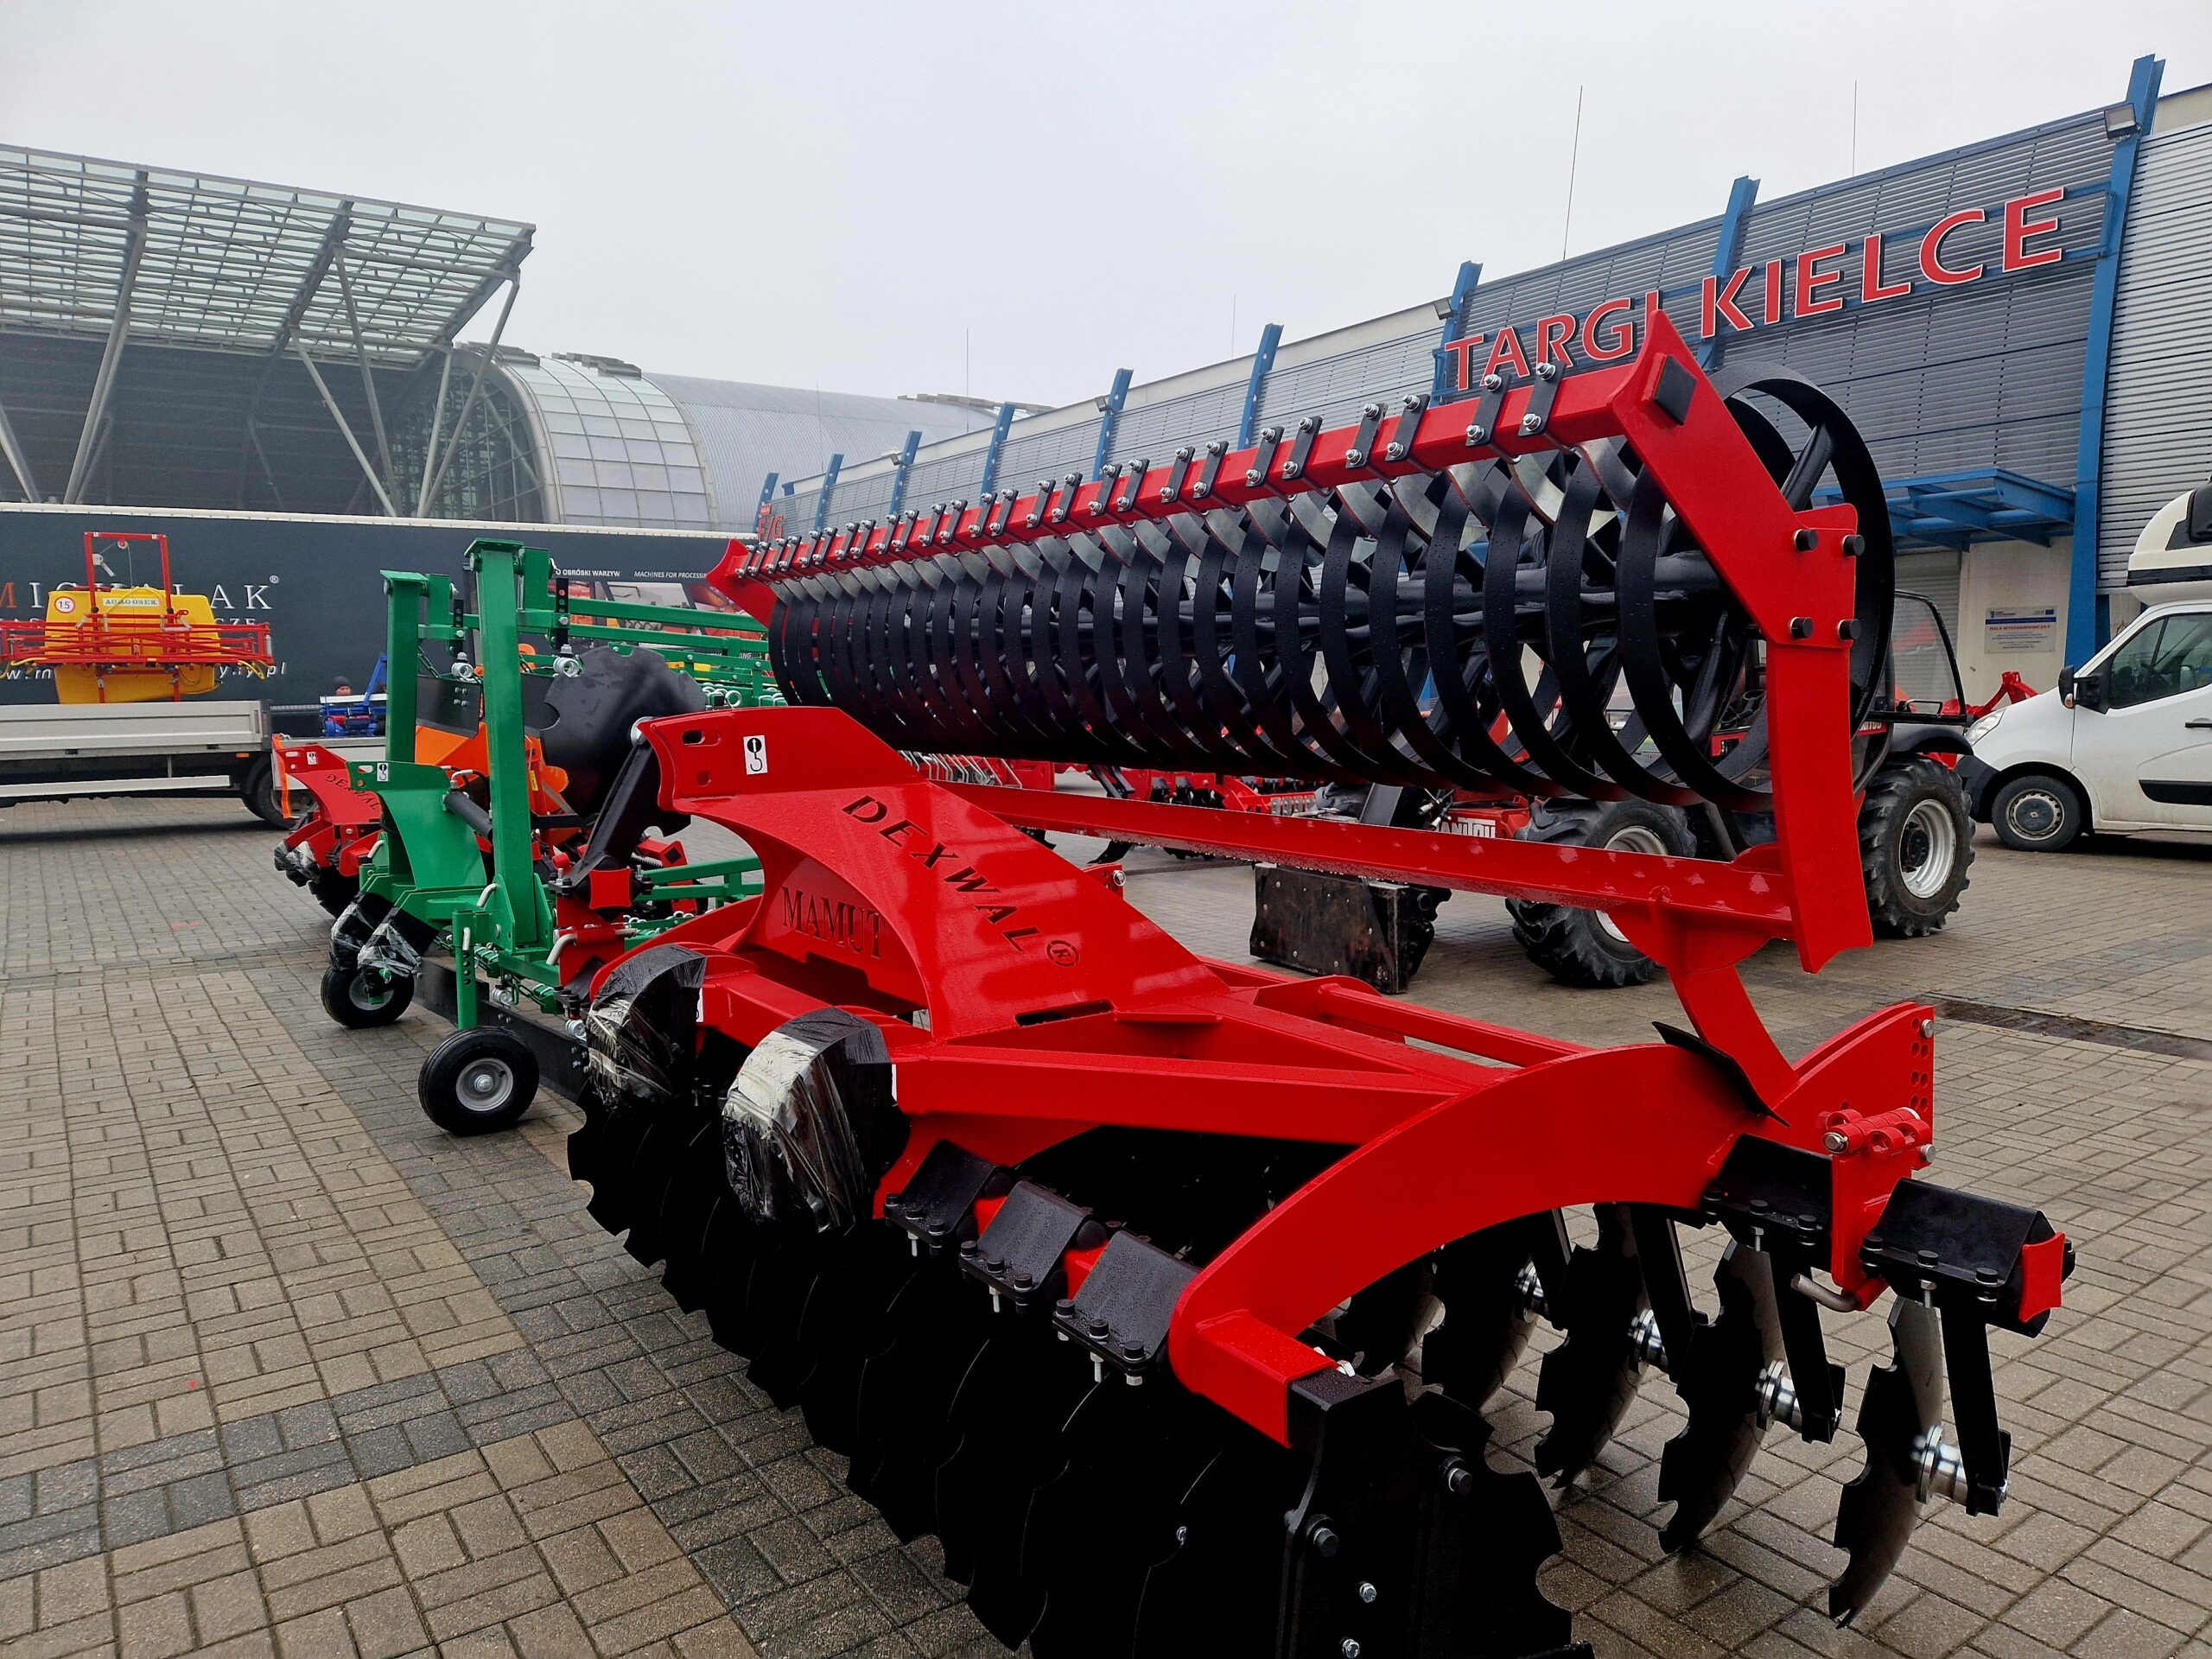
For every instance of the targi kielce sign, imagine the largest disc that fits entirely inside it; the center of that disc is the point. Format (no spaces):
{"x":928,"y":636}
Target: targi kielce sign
{"x":1810,"y":283}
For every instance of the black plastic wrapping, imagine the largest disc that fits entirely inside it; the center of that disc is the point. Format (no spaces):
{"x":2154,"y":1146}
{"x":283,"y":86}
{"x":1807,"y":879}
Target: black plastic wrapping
{"x":641,"y":1030}
{"x":810,"y":1125}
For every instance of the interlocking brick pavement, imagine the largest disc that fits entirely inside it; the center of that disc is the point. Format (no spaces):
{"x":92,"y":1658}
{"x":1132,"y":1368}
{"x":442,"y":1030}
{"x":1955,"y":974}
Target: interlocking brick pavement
{"x":284,"y":1369}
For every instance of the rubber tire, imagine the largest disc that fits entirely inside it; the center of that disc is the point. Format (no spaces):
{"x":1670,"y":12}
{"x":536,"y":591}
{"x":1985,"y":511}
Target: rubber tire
{"x":257,"y":790}
{"x":1891,"y":796}
{"x":334,"y":891}
{"x":338,"y":1000}
{"x":439,"y":1084}
{"x":2073,"y":815}
{"x":1571,"y":944}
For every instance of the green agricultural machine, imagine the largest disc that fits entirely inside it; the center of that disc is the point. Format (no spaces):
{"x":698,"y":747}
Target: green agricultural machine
{"x":521,"y":843}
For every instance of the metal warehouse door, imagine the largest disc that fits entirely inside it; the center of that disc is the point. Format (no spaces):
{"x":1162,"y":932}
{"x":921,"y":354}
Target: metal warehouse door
{"x":2157,"y":439}
{"x":1934,"y":577}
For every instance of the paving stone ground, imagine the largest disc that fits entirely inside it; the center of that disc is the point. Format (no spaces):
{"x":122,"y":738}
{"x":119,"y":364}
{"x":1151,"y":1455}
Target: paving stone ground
{"x":284,"y":1369}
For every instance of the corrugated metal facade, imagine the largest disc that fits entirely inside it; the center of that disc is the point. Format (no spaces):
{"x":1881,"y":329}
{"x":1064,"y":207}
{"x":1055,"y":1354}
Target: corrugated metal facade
{"x":744,"y":431}
{"x":2158,"y":440}
{"x":1941,"y":379}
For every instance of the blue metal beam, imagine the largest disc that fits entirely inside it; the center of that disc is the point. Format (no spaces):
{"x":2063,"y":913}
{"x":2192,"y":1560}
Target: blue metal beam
{"x":1263,"y":359}
{"x":828,"y":484}
{"x":2089,"y":616}
{"x":1726,"y":249}
{"x":899,"y":467}
{"x":1109,"y":417}
{"x":998,"y":430}
{"x":1455,"y":325}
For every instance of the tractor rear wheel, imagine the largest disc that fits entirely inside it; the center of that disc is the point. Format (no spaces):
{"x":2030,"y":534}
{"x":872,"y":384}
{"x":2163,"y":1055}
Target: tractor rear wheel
{"x":478,"y":1081}
{"x":1585,"y":947}
{"x":1916,"y":844}
{"x":359,"y":999}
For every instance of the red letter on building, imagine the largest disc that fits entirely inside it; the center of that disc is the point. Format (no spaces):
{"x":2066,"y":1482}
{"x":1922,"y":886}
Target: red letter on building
{"x":1931,"y":249}
{"x":2017,"y":229}
{"x":1460,"y":350}
{"x":1870,"y":276}
{"x":1621,"y":336}
{"x":1810,"y":280}
{"x":1773,"y":313}
{"x":1507,"y":346}
{"x":1718,"y":302}
{"x":1553,"y":334}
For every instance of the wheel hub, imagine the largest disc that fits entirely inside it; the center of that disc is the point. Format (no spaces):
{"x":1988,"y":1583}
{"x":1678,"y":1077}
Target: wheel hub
{"x":1636,"y":838}
{"x":484,"y":1084}
{"x":1926,"y":848}
{"x":2035,"y":814}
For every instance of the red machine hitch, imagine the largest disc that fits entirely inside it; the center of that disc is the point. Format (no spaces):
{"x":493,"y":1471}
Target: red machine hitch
{"x":1120,"y":1269}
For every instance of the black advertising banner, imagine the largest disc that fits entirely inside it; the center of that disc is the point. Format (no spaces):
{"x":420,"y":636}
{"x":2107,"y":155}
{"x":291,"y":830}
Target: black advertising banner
{"x":314,"y":581}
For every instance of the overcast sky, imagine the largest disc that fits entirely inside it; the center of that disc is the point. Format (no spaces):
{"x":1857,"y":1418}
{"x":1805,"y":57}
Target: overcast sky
{"x":836,"y":194}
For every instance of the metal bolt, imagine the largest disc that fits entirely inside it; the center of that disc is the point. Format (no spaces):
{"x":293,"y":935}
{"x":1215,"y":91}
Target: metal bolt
{"x":1458,"y":1479}
{"x":1367,"y":1593}
{"x":1547,"y":371}
{"x":1928,"y":1027}
{"x":1393,"y":452}
{"x":1806,"y":540}
{"x":1847,"y":629}
{"x":1801,"y":627}
{"x":1324,"y":1542}
{"x":1182,"y":1534}
{"x":1372,"y":412}
{"x":1252,"y":478}
{"x":969,"y":1247}
{"x":1531,"y":425}
{"x":1355,"y":457}
{"x":1478,"y":434}
{"x":1349,"y":1648}
{"x":1836,"y":1141}
{"x":1493,"y":383}
{"x":1854,"y":546}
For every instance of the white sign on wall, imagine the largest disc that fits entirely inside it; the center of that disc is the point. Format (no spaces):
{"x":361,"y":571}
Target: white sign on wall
{"x":2021,"y":630}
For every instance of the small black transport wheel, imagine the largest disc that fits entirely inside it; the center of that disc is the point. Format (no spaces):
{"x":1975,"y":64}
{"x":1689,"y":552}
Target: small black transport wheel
{"x":356,"y":997}
{"x":2038,"y":812}
{"x":1586,"y":947}
{"x":1916,"y":844}
{"x":477,"y":1081}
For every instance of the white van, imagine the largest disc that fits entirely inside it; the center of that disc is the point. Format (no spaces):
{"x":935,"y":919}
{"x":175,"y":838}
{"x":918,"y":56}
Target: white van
{"x":2121,"y":745}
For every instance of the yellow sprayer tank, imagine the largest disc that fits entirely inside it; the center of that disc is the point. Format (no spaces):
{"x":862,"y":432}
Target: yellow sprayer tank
{"x":131,"y":644}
